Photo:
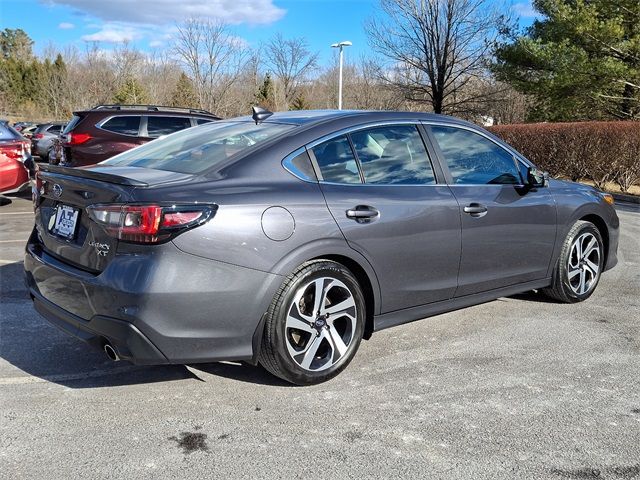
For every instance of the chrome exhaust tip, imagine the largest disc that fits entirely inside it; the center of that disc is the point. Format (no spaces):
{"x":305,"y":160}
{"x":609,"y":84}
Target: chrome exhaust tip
{"x":111,"y":352}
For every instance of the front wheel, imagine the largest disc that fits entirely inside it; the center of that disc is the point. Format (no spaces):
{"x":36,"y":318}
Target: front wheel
{"x":578,"y":270}
{"x":314,"y":324}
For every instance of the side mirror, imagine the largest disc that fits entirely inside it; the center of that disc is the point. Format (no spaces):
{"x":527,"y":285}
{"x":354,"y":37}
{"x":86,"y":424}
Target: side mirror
{"x":537,"y":178}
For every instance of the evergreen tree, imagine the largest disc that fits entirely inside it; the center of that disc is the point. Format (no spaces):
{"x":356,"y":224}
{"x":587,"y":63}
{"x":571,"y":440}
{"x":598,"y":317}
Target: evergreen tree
{"x":131,"y":92}
{"x":299,"y":103}
{"x":265,"y":96}
{"x":184,"y":95}
{"x":581,"y":60}
{"x":15,"y":44}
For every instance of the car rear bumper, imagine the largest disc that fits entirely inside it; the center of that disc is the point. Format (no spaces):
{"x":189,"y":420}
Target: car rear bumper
{"x":167,"y":307}
{"x":126,"y":339}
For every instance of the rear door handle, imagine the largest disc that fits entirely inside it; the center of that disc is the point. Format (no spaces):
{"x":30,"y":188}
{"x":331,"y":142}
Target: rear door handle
{"x":475,"y":210}
{"x":363,"y":213}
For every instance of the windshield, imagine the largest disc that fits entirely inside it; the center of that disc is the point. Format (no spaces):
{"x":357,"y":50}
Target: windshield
{"x":8,"y":133}
{"x":197,"y":149}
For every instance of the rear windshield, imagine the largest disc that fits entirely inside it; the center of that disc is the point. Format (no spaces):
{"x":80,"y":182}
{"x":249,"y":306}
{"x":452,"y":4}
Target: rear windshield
{"x":72,"y":124}
{"x":8,"y":133}
{"x":200,"y":148}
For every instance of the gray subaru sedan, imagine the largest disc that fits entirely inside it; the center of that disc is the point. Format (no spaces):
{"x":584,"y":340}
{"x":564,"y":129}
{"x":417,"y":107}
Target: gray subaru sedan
{"x":284,"y":239}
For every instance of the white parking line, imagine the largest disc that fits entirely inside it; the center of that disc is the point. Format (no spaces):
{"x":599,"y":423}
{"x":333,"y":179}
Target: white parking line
{"x":12,"y":241}
{"x":7,"y":262}
{"x":16,"y":213}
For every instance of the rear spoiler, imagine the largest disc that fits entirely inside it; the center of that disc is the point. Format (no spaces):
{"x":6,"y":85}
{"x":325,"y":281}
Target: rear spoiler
{"x":91,"y":174}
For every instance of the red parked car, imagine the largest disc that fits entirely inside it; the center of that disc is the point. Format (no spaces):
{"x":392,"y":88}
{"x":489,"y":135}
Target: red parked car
{"x":92,"y":136}
{"x":14,"y":150}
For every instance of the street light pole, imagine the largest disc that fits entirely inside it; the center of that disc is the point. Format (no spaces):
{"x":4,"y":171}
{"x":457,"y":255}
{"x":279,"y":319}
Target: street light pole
{"x":341,"y":46}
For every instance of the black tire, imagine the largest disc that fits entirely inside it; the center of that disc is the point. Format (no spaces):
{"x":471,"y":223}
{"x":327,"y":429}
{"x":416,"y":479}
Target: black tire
{"x":563,"y":288}
{"x":278,"y":339}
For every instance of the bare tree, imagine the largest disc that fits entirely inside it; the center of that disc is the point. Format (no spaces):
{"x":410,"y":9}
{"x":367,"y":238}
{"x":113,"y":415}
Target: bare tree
{"x":214,"y":60}
{"x":159,"y":75}
{"x":290,"y":61}
{"x":437,"y":47}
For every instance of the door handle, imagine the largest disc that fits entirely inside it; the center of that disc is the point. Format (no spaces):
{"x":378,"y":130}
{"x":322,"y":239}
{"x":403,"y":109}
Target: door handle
{"x":363,"y":213}
{"x":475,"y":210}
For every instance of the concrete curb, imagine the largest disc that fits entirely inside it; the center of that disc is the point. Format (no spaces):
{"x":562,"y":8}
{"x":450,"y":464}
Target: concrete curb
{"x":620,"y":197}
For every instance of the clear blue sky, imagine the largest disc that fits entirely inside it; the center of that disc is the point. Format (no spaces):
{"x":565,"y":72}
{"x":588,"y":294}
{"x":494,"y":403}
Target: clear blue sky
{"x":148,"y":23}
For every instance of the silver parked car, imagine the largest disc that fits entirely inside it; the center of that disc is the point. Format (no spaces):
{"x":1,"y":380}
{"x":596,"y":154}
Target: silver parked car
{"x":286,"y":238}
{"x":42,"y":139}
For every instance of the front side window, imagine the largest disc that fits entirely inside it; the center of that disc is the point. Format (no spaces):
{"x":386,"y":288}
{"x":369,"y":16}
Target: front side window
{"x":336,"y":161}
{"x":393,"y":155}
{"x":129,"y":125}
{"x":475,"y":160}
{"x":196,"y":150}
{"x":158,"y":126}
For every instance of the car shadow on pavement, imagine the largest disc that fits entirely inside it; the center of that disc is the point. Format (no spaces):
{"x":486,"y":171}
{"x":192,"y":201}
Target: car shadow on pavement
{"x":534,"y":296}
{"x":44,"y":353}
{"x":241,"y":371}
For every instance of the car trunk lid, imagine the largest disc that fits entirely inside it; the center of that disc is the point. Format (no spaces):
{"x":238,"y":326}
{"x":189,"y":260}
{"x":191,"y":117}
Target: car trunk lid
{"x":64,"y":226}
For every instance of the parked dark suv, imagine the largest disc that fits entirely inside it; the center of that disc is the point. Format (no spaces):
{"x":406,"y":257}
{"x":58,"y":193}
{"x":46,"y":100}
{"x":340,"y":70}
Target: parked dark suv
{"x":106,"y":130}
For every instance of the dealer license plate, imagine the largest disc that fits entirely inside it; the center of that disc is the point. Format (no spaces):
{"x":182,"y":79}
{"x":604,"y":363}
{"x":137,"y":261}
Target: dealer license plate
{"x":65,"y":223}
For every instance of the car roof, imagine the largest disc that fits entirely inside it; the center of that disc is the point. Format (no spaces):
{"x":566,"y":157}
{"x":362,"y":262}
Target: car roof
{"x":310,"y":117}
{"x":148,"y":110}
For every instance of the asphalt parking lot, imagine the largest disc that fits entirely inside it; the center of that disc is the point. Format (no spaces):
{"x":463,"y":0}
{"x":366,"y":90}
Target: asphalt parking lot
{"x":516,"y":388}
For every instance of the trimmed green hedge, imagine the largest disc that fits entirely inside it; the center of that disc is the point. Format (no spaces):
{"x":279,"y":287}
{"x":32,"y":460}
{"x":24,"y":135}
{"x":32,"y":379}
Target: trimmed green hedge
{"x":599,"y":151}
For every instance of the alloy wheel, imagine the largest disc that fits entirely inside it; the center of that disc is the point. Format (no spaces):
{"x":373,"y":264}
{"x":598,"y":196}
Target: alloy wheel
{"x":321,"y":323}
{"x":584,"y":263}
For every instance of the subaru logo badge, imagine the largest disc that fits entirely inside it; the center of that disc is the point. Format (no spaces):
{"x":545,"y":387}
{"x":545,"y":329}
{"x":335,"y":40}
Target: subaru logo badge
{"x":57,"y":190}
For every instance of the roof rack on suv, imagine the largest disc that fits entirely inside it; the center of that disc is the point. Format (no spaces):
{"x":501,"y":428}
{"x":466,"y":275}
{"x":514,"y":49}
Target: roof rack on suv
{"x":151,"y":108}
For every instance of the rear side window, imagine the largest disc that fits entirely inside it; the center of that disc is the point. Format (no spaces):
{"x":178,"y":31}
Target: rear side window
{"x":393,"y":155}
{"x":158,"y":126}
{"x":475,"y":160}
{"x":336,"y":161}
{"x":300,"y":166}
{"x":126,"y":125}
{"x":202,"y":121}
{"x":55,"y":129}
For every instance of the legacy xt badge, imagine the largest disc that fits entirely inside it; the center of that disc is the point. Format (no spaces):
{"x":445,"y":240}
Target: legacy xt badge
{"x":102,"y":249}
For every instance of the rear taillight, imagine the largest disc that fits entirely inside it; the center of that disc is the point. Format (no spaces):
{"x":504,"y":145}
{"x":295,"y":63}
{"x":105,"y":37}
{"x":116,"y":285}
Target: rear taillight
{"x":14,"y":151}
{"x":148,"y":223}
{"x":38,"y":136}
{"x":77,"y":138}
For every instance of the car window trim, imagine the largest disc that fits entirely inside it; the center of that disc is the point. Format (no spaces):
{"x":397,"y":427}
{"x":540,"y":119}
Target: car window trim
{"x":426,"y":151}
{"x":517,"y":159}
{"x":318,"y":170}
{"x":355,"y":128}
{"x":105,"y":120}
{"x":287,"y":164}
{"x":146,"y":124}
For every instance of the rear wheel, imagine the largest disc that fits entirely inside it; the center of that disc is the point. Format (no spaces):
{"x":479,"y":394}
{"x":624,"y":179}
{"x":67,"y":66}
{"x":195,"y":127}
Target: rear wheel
{"x":578,"y":270}
{"x":314,"y":324}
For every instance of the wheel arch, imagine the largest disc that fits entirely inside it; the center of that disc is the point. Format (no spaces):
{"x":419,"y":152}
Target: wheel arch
{"x":365,"y":283}
{"x":337,"y":251}
{"x":601,"y":225}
